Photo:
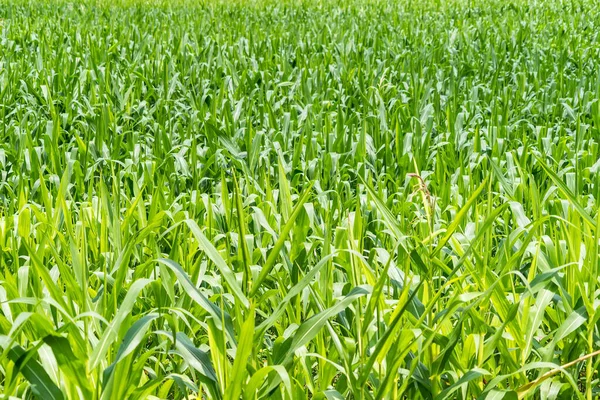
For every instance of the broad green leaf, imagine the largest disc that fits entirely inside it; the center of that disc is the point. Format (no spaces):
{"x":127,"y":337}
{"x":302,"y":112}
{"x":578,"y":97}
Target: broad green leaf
{"x":212,"y":253}
{"x":41,"y":384}
{"x":110,"y":334}
{"x":309,"y":329}
{"x":215,"y":312}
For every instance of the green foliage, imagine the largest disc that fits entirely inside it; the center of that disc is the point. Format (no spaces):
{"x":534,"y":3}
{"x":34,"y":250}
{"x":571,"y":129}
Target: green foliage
{"x":299,"y":199}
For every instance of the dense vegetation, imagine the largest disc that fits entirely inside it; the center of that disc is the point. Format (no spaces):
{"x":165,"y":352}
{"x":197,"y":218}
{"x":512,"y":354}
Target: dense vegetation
{"x":368,"y":200}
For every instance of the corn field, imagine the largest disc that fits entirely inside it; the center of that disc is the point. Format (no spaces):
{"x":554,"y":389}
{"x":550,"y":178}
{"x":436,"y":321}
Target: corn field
{"x":299,"y":199}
